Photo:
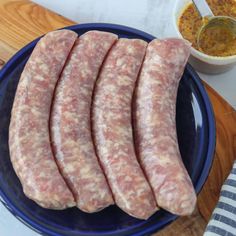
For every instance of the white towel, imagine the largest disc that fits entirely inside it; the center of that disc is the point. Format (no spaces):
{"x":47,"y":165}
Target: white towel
{"x":223,"y":219}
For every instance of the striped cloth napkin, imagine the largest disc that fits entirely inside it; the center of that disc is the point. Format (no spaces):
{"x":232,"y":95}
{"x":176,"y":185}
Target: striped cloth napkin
{"x":223,"y":219}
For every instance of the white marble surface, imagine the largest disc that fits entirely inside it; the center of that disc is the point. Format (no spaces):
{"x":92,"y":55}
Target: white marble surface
{"x":152,"y":16}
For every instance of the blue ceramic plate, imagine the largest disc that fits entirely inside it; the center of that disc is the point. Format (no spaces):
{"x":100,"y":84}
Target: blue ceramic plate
{"x":196,"y":135}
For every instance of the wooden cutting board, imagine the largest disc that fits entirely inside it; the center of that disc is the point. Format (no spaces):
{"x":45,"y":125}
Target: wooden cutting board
{"x":22,"y":21}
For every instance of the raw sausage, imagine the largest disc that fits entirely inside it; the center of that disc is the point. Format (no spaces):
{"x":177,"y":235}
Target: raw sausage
{"x":29,"y":143}
{"x":155,"y":130}
{"x":111,"y":118}
{"x":70,"y":122}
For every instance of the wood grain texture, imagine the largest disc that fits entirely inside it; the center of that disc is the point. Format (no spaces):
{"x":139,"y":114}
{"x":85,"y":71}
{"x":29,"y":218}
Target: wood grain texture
{"x":23,"y":21}
{"x":225,"y":153}
{"x":185,"y":226}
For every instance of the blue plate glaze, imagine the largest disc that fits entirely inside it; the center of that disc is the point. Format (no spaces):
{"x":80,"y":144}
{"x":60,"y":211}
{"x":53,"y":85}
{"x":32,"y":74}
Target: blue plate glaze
{"x":196,"y":135}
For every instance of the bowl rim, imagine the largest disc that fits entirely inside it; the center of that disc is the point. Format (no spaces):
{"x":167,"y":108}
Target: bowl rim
{"x":217,"y":60}
{"x":209,"y":114}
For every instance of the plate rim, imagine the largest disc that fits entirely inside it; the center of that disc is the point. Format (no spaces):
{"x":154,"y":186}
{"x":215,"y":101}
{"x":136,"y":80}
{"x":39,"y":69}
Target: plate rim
{"x":209,"y":114}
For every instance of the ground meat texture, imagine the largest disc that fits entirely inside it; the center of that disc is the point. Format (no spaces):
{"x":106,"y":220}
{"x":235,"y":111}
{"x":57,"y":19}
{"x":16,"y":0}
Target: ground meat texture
{"x":156,"y":137}
{"x":71,"y":124}
{"x":29,"y":142}
{"x":111,"y":118}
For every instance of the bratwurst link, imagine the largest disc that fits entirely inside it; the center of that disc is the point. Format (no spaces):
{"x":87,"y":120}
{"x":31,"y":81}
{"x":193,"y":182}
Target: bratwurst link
{"x":70,"y":122}
{"x":29,"y":142}
{"x":155,"y":130}
{"x":111,"y":118}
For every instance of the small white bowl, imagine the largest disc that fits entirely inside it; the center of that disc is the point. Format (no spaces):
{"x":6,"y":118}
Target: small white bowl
{"x":201,"y":61}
